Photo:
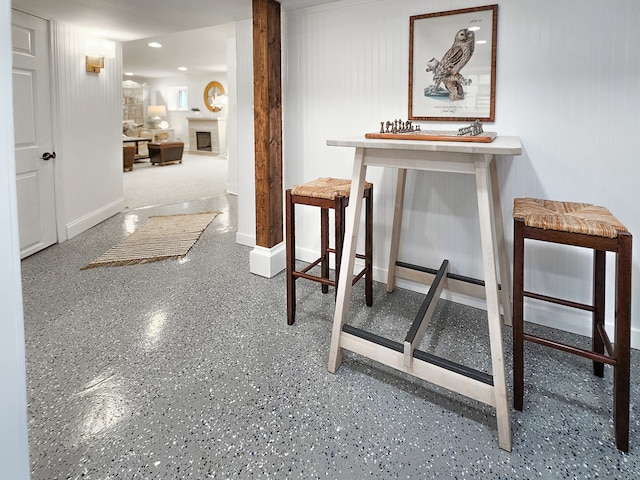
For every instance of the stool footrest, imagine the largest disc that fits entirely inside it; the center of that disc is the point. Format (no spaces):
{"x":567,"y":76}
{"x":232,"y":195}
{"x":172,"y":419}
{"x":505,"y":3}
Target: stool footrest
{"x":558,"y":301}
{"x":325,"y":281}
{"x":570,"y":349}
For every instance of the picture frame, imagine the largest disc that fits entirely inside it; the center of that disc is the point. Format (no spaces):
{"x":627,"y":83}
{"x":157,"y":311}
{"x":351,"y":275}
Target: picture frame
{"x":452,"y":65}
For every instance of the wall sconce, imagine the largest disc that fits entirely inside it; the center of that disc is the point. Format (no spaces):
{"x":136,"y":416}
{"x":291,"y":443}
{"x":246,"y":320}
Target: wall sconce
{"x":96,"y":50}
{"x":156,"y":112}
{"x":94,"y":64}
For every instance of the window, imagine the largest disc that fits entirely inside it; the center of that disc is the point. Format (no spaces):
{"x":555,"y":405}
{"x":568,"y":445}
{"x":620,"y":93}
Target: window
{"x":178,"y":98}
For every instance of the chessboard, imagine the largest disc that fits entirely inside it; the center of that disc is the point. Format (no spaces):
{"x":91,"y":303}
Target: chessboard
{"x":435,"y":135}
{"x":400,"y":130}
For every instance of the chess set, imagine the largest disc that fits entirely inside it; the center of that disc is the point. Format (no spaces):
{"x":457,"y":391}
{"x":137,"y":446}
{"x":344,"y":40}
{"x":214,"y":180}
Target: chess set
{"x":406,"y":130}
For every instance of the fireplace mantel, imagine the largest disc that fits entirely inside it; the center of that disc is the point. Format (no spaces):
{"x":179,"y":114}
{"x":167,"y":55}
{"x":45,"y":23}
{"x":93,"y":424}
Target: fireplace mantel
{"x":216,"y":127}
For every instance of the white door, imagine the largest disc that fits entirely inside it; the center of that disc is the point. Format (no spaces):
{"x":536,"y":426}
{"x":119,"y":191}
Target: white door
{"x":33,"y":135}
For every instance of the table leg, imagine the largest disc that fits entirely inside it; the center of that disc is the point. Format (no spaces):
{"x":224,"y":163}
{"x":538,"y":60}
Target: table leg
{"x":395,"y":231}
{"x":348,"y":258}
{"x":505,"y":277}
{"x":487,"y":232}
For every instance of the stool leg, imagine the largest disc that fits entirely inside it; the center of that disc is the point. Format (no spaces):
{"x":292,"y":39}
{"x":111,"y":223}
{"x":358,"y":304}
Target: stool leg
{"x":599,"y":289}
{"x":291,"y":260}
{"x":324,"y":246}
{"x":518,"y":321}
{"x":368,"y":248}
{"x":622,"y":342}
{"x":339,"y":211}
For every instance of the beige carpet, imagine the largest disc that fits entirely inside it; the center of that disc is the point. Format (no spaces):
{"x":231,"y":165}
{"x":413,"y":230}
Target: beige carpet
{"x":198,"y":176}
{"x":162,"y":237}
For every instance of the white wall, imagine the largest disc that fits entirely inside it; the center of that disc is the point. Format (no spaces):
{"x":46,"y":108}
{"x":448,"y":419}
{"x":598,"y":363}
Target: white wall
{"x":87,"y":135}
{"x":232,"y":113}
{"x":567,"y":84}
{"x":14,"y":448}
{"x":246,"y":234}
{"x":159,"y":89}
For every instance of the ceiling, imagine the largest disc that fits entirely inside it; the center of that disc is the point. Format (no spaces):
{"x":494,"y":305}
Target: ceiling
{"x":193,"y":32}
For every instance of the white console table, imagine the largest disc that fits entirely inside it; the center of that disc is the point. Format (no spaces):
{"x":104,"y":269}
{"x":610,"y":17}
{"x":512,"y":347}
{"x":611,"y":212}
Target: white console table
{"x":162,"y":134}
{"x":476,"y":159}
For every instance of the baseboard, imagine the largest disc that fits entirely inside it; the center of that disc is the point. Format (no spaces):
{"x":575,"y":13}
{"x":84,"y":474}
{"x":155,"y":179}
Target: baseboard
{"x":92,"y":219}
{"x":245,"y":239}
{"x":268,"y":262}
{"x":232,"y":188}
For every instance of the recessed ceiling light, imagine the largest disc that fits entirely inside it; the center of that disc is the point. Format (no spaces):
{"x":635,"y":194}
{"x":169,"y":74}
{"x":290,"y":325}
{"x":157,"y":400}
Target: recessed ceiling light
{"x":182,"y":69}
{"x":154,"y":45}
{"x":129,"y":74}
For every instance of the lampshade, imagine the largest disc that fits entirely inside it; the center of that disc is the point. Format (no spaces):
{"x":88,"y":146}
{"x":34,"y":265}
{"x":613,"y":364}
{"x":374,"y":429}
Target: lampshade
{"x":154,"y":111}
{"x":220,"y":100}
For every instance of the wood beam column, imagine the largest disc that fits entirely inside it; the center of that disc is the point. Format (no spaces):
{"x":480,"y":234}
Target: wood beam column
{"x":267,"y":96}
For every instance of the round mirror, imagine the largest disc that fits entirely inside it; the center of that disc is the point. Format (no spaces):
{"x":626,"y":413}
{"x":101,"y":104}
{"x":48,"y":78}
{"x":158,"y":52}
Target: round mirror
{"x":211,"y":92}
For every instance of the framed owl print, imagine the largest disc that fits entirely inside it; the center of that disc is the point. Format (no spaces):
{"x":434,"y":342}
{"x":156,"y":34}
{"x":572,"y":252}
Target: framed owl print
{"x":452,"y":65}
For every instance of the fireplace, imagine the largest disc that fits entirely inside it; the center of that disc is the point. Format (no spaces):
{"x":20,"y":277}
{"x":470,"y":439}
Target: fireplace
{"x":207,"y":136}
{"x":203,"y":141}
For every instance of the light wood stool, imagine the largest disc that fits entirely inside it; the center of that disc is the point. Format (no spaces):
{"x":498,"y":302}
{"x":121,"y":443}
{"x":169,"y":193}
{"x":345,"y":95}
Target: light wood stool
{"x":588,"y":226}
{"x":326,"y":193}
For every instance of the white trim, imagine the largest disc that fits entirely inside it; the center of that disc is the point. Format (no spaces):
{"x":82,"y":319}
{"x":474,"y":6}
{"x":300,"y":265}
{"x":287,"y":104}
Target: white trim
{"x":232,"y":188}
{"x":94,"y":218}
{"x":268,"y":262}
{"x":58,"y":165}
{"x":246,"y":239}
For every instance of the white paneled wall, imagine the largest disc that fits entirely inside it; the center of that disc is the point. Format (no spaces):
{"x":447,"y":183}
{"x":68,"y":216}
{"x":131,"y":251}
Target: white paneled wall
{"x":246,"y":234}
{"x":87,"y":134}
{"x":567,"y":84}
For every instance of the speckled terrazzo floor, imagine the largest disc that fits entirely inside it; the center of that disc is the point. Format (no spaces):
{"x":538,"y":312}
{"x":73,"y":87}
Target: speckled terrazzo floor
{"x":187,"y":369}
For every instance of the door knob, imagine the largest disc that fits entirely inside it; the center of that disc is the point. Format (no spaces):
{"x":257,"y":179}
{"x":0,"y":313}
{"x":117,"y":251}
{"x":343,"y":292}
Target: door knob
{"x":48,"y":156}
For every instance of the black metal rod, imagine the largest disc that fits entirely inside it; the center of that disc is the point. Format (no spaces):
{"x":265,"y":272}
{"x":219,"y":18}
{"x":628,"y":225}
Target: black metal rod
{"x":372,"y":337}
{"x":420,"y":355}
{"x":452,"y":276}
{"x":415,"y":326}
{"x":453,"y":367}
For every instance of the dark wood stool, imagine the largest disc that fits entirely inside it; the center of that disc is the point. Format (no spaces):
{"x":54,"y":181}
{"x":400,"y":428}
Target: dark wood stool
{"x":588,"y":226}
{"x":326,"y":193}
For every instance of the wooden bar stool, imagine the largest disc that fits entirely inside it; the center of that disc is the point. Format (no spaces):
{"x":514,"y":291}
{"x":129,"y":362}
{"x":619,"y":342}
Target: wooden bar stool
{"x":589,"y":226}
{"x":326,"y":193}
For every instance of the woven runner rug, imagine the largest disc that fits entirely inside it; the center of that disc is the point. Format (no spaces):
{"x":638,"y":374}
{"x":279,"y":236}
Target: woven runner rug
{"x":161,"y":238}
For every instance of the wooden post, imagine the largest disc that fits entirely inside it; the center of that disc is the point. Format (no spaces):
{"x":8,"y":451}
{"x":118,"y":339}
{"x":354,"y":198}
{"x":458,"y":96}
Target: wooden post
{"x":267,"y":93}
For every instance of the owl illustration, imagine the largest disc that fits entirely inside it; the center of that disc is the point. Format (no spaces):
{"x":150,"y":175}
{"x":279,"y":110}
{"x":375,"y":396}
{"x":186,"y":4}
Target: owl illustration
{"x":447,"y":70}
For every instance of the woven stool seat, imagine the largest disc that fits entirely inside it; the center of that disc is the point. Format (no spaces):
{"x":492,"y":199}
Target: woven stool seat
{"x":326,"y":188}
{"x":587,"y":226}
{"x":571,"y":217}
